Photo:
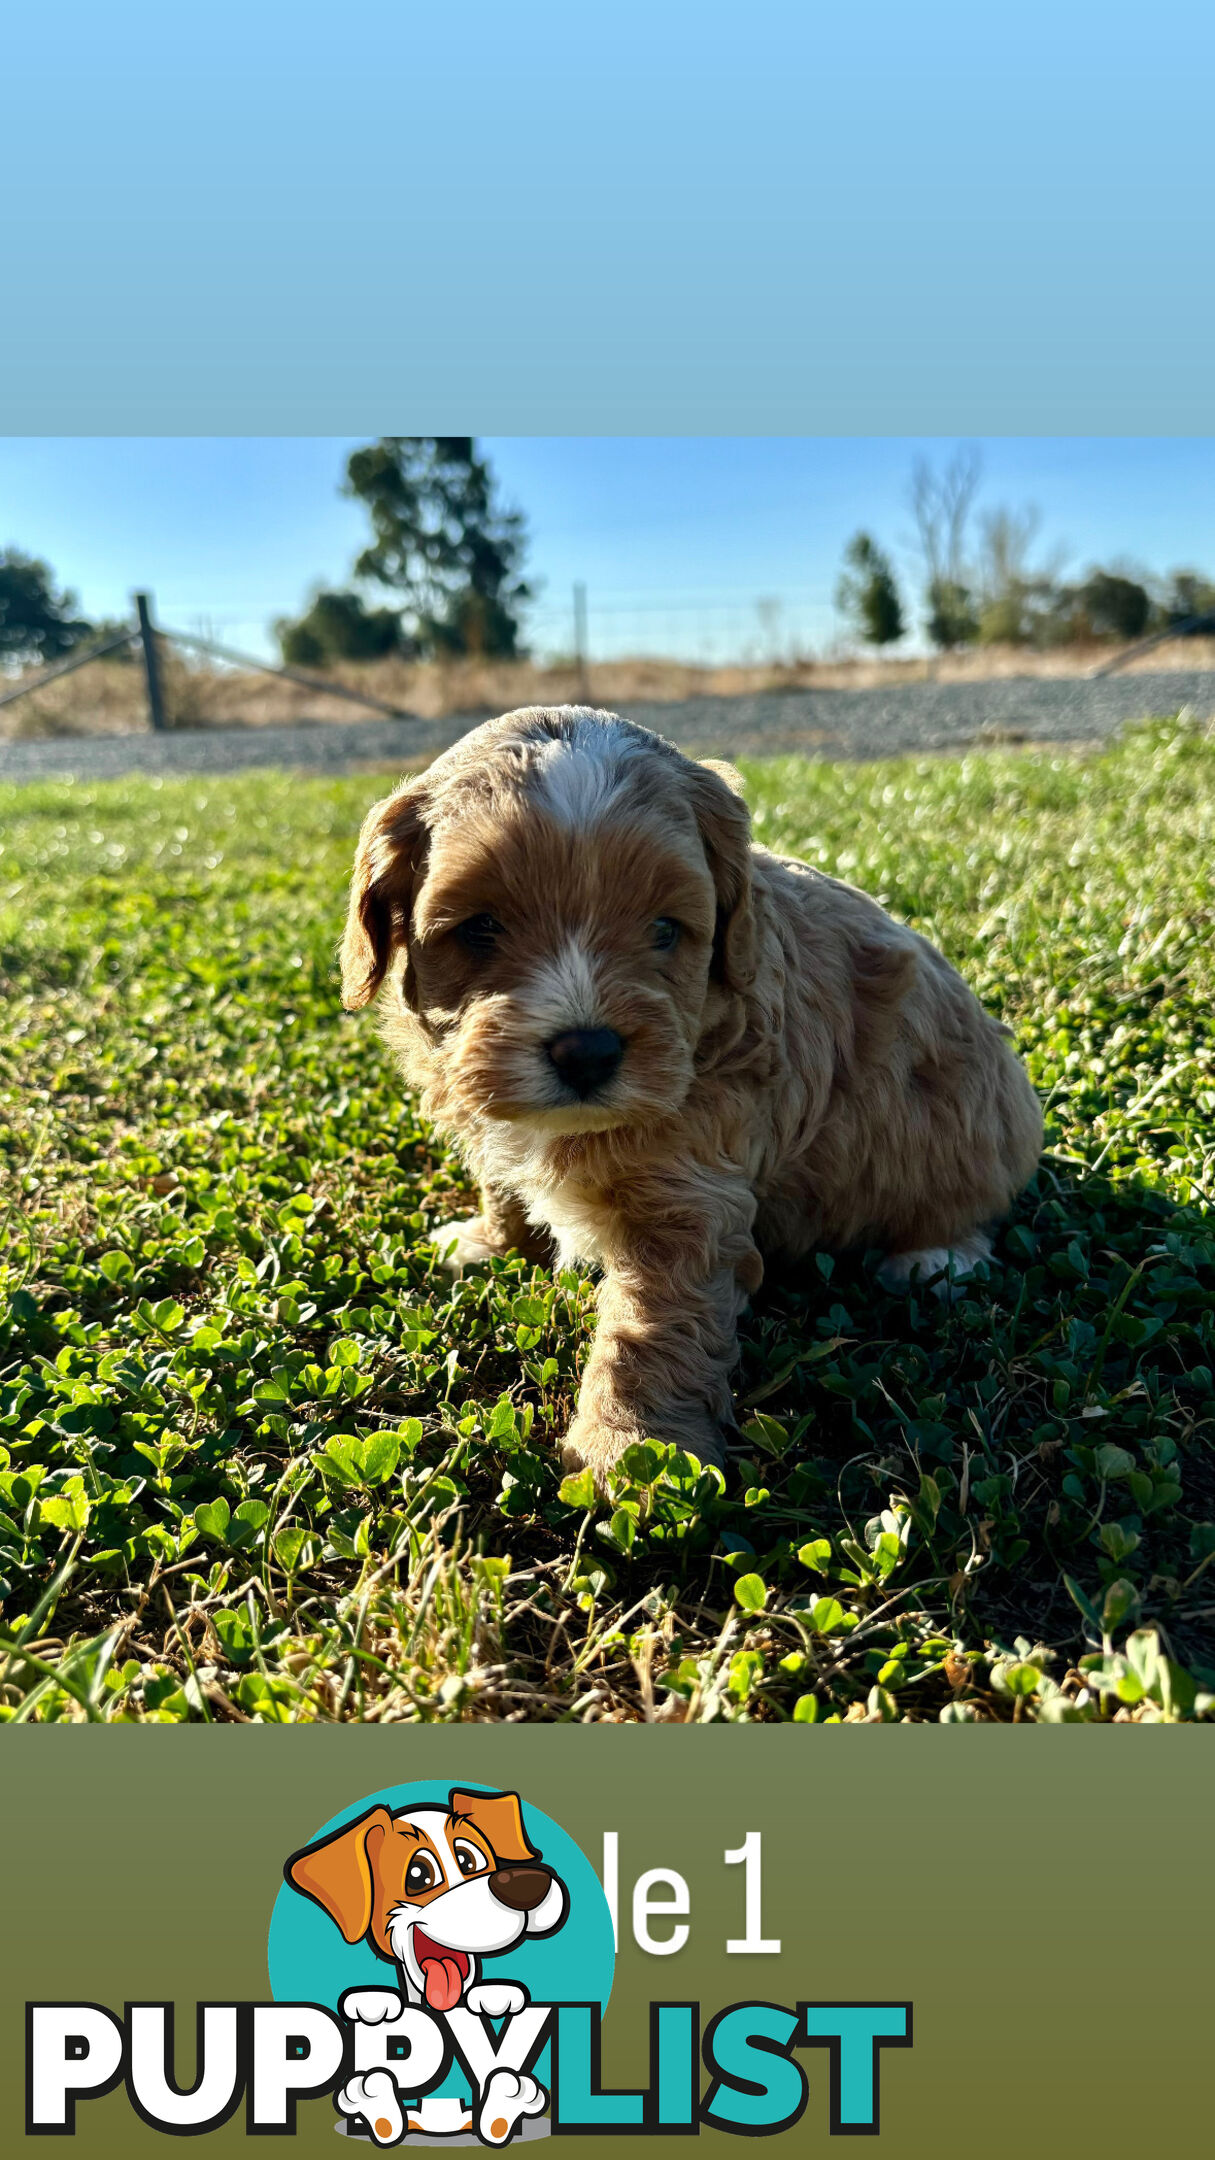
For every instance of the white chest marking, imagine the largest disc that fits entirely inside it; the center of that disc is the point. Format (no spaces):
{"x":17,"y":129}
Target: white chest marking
{"x":516,"y":1159}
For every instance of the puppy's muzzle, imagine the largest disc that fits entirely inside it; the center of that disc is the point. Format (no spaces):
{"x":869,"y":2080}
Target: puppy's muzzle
{"x":585,"y":1058}
{"x":521,"y":1889}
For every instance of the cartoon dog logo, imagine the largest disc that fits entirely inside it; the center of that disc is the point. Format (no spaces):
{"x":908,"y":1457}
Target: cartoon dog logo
{"x":435,"y":1892}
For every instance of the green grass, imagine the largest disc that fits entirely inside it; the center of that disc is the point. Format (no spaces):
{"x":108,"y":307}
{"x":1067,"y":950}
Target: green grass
{"x":260,"y":1462}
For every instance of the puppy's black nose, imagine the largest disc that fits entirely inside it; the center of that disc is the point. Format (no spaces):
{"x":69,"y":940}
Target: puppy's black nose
{"x":521,"y":1888}
{"x":585,"y":1058}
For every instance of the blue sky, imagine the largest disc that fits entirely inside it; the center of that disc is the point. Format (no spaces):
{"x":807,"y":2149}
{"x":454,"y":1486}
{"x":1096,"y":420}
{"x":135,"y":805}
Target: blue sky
{"x":677,"y":539}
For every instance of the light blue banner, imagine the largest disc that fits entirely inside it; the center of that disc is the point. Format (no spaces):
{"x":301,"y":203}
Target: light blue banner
{"x":680,"y":218}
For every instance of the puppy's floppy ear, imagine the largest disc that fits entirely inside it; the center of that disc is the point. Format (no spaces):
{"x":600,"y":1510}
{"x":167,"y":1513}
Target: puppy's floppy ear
{"x":338,"y":1872}
{"x":387,"y":863}
{"x":725,"y":830}
{"x":499,"y":1818}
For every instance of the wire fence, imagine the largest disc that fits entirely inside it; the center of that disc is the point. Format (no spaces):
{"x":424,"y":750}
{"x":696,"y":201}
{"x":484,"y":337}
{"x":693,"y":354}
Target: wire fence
{"x":714,"y":630}
{"x":151,"y":640}
{"x":707,"y":628}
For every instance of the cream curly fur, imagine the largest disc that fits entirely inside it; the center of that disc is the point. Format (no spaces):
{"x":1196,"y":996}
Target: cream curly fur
{"x":800,"y":1070}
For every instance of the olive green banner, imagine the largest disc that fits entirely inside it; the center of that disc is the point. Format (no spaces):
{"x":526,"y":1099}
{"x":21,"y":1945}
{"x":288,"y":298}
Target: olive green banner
{"x":1043,"y":1900}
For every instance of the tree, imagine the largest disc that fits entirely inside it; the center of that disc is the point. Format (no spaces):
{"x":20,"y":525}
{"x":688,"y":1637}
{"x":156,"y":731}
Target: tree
{"x":1015,"y":601}
{"x":941,"y":507}
{"x":339,"y":626}
{"x":36,"y":623}
{"x":951,"y":619}
{"x":441,"y":544}
{"x":441,"y":540}
{"x":867,"y":593}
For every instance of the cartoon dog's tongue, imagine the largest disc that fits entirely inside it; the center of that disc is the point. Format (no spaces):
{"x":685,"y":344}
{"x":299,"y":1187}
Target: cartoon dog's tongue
{"x":443,"y":1971}
{"x":442,"y":1976}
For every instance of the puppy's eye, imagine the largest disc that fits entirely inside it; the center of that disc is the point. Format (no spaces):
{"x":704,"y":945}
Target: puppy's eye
{"x":477,"y":935}
{"x":468,"y":1859}
{"x":665,"y":934}
{"x":421,"y":1875}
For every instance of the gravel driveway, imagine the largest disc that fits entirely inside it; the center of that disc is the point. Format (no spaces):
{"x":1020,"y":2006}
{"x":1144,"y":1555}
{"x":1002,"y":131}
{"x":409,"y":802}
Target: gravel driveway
{"x":907,"y":717}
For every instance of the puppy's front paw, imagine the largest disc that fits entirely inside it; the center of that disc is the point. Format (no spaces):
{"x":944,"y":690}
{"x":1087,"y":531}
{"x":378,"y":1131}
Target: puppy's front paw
{"x":462,"y":1244}
{"x":496,"y":1998}
{"x":376,"y":2099}
{"x":509,"y":2095}
{"x":594,"y":1444}
{"x":591,"y":1445}
{"x":371,"y":2006}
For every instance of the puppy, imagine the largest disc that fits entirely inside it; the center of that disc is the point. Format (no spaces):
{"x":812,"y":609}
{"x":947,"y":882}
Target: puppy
{"x":467,"y":1871}
{"x":434,"y":1891}
{"x":666,"y":1052}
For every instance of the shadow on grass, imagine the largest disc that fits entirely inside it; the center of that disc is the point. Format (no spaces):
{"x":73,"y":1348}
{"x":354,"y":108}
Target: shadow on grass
{"x":1052,"y":1433}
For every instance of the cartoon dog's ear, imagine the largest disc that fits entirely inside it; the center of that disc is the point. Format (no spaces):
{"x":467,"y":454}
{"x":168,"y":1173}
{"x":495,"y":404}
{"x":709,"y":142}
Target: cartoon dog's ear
{"x":387,"y":862}
{"x":338,"y":1872}
{"x":499,"y":1818}
{"x":725,"y":831}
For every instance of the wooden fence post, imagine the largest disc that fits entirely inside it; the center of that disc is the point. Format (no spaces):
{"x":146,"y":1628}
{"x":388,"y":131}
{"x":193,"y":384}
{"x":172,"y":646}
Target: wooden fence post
{"x":151,"y":669}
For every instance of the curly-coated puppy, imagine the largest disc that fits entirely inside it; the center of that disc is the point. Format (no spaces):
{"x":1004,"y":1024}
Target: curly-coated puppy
{"x":665,"y":1051}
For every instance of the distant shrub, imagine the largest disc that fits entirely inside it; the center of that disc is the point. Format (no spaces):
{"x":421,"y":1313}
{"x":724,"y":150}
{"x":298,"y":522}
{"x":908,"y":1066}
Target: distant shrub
{"x":339,"y":626}
{"x":867,"y":593}
{"x":1114,"y":606}
{"x":1190,"y":598}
